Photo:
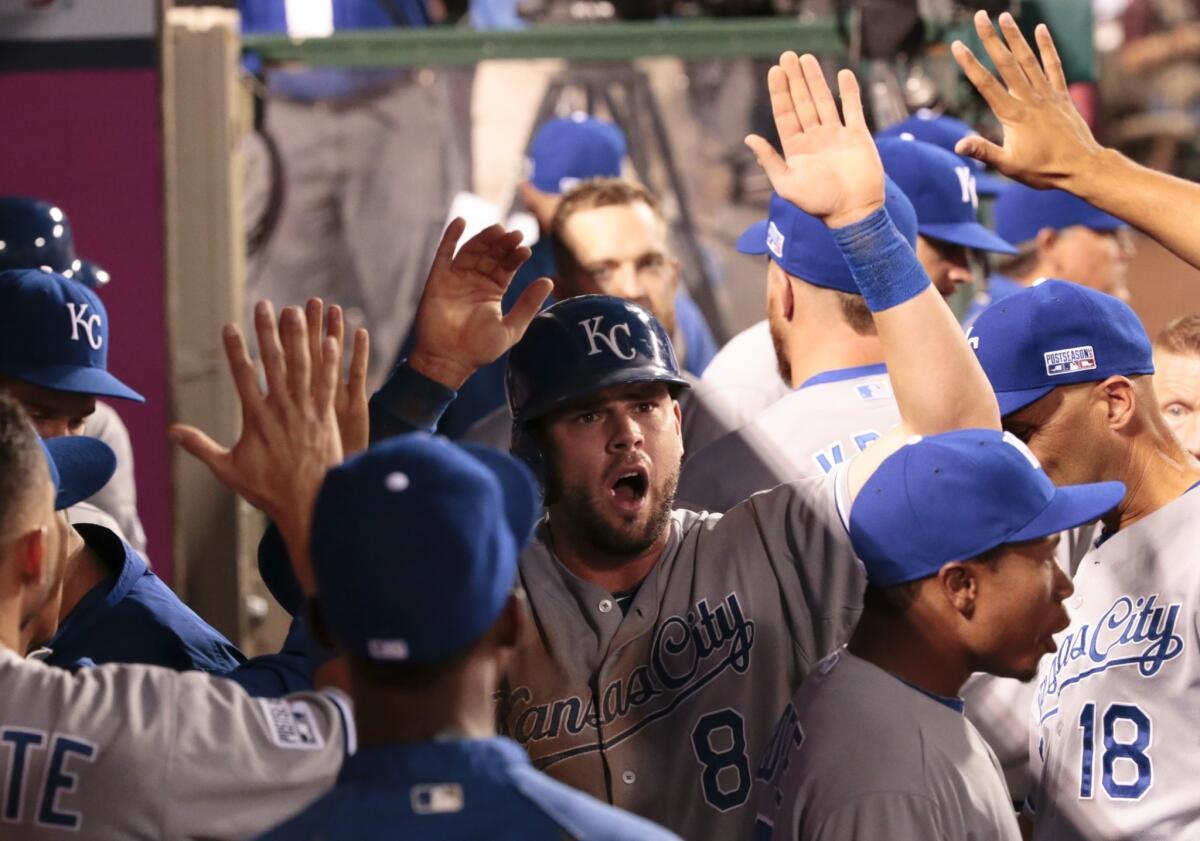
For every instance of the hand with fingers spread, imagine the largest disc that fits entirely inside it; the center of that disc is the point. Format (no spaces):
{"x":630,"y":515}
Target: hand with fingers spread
{"x":1046,"y":141}
{"x":829,"y":167}
{"x":350,"y":399}
{"x":289,"y":434}
{"x":460,"y":325}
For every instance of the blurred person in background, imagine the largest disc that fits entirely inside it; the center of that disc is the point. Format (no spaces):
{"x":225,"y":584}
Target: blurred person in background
{"x":369,"y":165}
{"x":1177,"y":378}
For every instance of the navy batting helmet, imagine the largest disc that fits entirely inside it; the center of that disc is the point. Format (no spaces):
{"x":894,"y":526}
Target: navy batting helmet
{"x":578,"y":347}
{"x":35,"y":233}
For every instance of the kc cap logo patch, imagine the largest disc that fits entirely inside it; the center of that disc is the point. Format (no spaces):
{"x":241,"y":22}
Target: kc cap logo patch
{"x":1070,"y":360}
{"x":592,"y":327}
{"x":775,"y":240}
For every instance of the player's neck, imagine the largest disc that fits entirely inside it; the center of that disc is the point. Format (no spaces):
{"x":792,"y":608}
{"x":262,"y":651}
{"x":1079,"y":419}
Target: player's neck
{"x":909,"y":653}
{"x":615,"y":573}
{"x":10,"y":626}
{"x":1158,"y":472}
{"x":84,"y":571}
{"x":459,"y":706}
{"x":830,"y":349}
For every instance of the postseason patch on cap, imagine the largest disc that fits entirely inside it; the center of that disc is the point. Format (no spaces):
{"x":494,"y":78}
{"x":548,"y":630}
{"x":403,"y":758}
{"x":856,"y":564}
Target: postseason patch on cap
{"x":775,"y":240}
{"x":292,"y":724}
{"x":1069,"y":360}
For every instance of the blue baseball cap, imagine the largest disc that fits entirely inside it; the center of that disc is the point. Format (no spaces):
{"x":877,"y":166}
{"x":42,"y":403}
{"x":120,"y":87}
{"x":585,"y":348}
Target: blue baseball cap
{"x":942,"y":190}
{"x":79,"y":467}
{"x":1056,"y":333}
{"x":1023,"y":211}
{"x":56,"y":335}
{"x":568,"y":150}
{"x":944,"y":132}
{"x":803,"y":247}
{"x":934,"y":501}
{"x":415,"y":544}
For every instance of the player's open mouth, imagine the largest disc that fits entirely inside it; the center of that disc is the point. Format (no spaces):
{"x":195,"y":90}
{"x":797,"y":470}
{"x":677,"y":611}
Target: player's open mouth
{"x":630,"y":487}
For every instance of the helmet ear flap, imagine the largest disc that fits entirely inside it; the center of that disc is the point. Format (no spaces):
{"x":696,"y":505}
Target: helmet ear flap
{"x":526,"y":447}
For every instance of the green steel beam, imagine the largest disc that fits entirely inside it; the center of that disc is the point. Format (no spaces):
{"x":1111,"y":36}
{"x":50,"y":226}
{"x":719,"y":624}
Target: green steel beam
{"x":586,"y":42}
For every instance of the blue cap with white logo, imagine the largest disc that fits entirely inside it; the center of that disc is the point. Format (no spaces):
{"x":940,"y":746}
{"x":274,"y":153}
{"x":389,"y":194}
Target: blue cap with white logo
{"x":568,"y":150}
{"x":415,"y":545}
{"x":944,"y":132}
{"x":802,"y":245}
{"x":79,"y":467}
{"x":942,"y":190}
{"x":56,"y":335}
{"x":899,"y":520}
{"x":1057,"y":333}
{"x":1023,"y":211}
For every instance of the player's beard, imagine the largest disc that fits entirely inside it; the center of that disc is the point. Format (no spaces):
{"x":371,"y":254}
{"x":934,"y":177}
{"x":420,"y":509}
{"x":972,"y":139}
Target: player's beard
{"x":579,"y":507}
{"x":778,"y":327}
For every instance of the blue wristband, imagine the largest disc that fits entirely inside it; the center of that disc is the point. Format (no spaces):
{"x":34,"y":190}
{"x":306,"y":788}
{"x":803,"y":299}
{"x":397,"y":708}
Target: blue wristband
{"x":882,"y":262}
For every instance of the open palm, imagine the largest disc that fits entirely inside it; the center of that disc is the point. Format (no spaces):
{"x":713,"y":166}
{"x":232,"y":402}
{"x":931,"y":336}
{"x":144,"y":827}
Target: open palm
{"x":460,"y":325}
{"x":830,"y":167}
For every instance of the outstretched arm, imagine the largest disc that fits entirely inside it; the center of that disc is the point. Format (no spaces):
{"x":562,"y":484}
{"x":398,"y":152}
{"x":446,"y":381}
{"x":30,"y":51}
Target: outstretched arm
{"x":1048,"y":144}
{"x":831,"y":169}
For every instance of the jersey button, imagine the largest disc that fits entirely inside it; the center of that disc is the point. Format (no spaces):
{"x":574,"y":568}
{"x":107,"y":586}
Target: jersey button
{"x":629,"y":778}
{"x":605,"y":605}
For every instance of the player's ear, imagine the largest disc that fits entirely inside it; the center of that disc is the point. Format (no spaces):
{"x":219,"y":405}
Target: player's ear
{"x":1045,"y":241}
{"x":960,"y":587}
{"x":30,"y":552}
{"x":513,"y":622}
{"x":1121,"y":401}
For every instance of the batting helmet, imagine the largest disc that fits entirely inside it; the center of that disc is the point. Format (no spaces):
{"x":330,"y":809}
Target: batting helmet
{"x":35,"y":233}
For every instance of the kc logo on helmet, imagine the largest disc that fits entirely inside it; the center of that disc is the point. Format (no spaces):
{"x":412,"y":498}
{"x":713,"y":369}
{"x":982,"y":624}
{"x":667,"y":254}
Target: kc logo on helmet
{"x":89,"y":323}
{"x":591,"y":326}
{"x":967,"y":182}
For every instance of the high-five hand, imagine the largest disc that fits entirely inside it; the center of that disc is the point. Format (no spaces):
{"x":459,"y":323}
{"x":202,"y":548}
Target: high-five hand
{"x":289,"y":434}
{"x":460,"y":325}
{"x":1046,"y":140}
{"x":830,"y":167}
{"x":350,"y":399}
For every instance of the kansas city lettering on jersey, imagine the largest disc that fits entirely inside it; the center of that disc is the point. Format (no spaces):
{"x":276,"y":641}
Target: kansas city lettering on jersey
{"x":687,"y":653}
{"x":1132,"y":632}
{"x":832,"y":455}
{"x":60,"y":755}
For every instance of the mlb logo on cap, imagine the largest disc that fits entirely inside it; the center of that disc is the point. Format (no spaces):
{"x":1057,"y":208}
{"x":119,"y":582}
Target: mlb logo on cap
{"x":775,"y":240}
{"x":1057,"y":333}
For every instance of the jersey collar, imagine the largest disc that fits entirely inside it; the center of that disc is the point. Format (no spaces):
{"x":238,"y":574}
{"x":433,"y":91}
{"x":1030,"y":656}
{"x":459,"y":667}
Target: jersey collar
{"x":839,"y":374}
{"x":449,"y":759}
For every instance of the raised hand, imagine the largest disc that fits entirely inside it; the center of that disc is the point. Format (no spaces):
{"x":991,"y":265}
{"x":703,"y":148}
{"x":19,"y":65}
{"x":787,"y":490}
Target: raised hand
{"x":459,"y":325}
{"x":289,"y":433}
{"x":1046,"y":140}
{"x":350,"y":397}
{"x":830,"y":167}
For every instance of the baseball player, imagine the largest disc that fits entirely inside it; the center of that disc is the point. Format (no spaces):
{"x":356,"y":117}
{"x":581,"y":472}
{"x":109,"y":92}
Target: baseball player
{"x":611,"y":238}
{"x":1070,"y":367}
{"x":429,"y":763}
{"x":875,"y":743}
{"x":827,"y":349}
{"x":139,"y":752}
{"x":1177,"y":378}
{"x":36,"y":234}
{"x":944,"y":194}
{"x":114,"y":609}
{"x":669,"y":640}
{"x":944,"y":131}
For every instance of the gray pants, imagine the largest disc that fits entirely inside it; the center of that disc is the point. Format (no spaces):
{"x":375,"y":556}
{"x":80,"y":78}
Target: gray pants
{"x":367,"y":184}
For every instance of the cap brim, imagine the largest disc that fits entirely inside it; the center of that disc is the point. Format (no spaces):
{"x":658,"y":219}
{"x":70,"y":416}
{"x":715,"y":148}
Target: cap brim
{"x":989,"y":185}
{"x":1014,"y":401}
{"x":968,"y":235}
{"x":1071,"y":506}
{"x":754,"y":239}
{"x":522,"y":501}
{"x":84,"y":466}
{"x":76,"y":379}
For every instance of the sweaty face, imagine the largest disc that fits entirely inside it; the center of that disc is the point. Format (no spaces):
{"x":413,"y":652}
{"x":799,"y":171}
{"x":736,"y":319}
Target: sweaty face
{"x":1065,"y":430}
{"x":777,"y":317}
{"x":615,"y":458}
{"x":54,"y":413}
{"x":622,"y":250}
{"x":1177,"y":384}
{"x":945,"y":263}
{"x":1019,"y":608}
{"x":1099,"y":259}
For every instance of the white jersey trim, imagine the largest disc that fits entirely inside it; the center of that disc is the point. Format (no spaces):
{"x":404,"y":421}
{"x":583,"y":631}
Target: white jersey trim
{"x":346,"y":708}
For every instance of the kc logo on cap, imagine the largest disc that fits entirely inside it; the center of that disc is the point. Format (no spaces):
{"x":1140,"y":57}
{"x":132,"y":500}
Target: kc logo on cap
{"x":81,"y":319}
{"x":591,"y":326}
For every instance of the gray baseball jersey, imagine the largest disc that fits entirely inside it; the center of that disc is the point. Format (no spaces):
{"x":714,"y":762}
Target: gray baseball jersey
{"x":859,"y":754}
{"x":824,"y":423}
{"x":704,"y":421}
{"x":744,"y":375}
{"x":664,"y":709}
{"x":137,"y":752}
{"x":1113,"y":748}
